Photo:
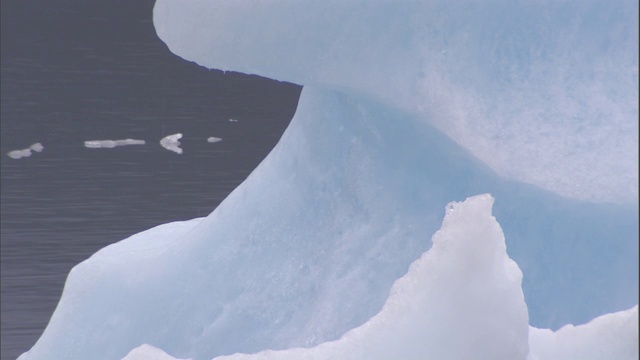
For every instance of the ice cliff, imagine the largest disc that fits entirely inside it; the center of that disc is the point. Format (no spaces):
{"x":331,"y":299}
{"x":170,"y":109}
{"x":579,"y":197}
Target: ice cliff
{"x":406,"y":107}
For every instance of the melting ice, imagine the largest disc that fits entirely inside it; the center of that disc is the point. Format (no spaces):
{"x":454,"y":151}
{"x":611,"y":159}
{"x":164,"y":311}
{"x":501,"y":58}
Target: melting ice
{"x":404,"y":110}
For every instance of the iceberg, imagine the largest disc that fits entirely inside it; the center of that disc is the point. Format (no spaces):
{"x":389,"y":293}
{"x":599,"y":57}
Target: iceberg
{"x":213,"y":139}
{"x":404,"y":110}
{"x":462,"y":299}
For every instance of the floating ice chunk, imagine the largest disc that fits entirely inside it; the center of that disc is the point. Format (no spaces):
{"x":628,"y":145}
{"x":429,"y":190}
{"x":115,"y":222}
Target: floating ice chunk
{"x":233,"y":120}
{"x":213,"y":139}
{"x":18,"y":154}
{"x":172,"y":138}
{"x":37,"y":147}
{"x":97,"y":144}
{"x":171,"y":143}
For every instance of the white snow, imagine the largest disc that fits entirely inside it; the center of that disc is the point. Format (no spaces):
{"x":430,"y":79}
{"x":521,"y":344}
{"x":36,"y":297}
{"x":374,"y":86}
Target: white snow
{"x":462,"y":300}
{"x":213,"y":139}
{"x":172,"y":143}
{"x":18,"y":154}
{"x":308,"y":247}
{"x":97,"y":144}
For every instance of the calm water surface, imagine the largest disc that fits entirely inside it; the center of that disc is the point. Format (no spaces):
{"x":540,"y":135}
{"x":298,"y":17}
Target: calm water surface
{"x":75,"y":71}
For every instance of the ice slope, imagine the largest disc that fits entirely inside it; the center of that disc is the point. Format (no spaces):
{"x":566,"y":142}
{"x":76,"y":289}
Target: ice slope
{"x":544,"y":92}
{"x":462,"y":299}
{"x":308,"y":247}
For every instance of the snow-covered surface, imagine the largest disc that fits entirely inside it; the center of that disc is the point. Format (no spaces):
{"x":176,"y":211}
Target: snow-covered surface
{"x":611,"y":336}
{"x":309,"y":246}
{"x":18,"y":154}
{"x":97,"y":144}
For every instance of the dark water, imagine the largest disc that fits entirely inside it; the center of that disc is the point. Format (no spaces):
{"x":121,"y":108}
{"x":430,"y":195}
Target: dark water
{"x":86,"y":70}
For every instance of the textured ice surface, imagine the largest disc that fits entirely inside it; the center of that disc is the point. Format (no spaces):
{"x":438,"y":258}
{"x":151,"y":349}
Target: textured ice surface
{"x":544,"y":92}
{"x":172,"y":143}
{"x":309,"y":246}
{"x":461,"y":300}
{"x":96,"y":144}
{"x":611,"y":336}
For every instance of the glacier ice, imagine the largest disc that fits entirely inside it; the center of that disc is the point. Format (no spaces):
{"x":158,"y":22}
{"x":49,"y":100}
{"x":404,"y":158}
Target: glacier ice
{"x":310,"y":244}
{"x":462,"y":300}
{"x":543,"y":92}
{"x":611,"y":336}
{"x":97,"y":144}
{"x":404,"y":109}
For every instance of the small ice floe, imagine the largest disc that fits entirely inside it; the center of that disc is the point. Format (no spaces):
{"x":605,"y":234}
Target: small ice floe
{"x":214,"y":139}
{"x":98,"y":144}
{"x":37,"y":147}
{"x":17,"y":154}
{"x":233,"y":120}
{"x":171,"y":143}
